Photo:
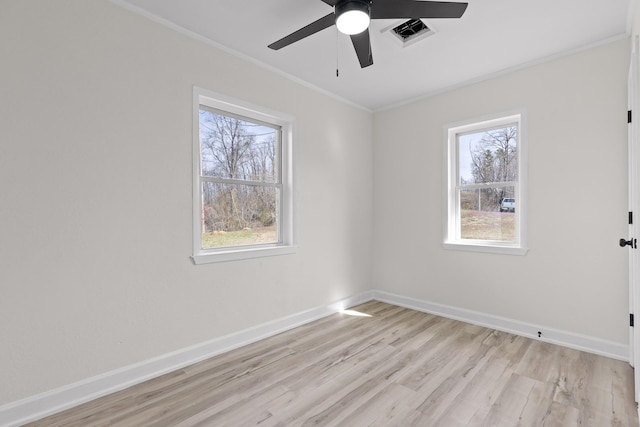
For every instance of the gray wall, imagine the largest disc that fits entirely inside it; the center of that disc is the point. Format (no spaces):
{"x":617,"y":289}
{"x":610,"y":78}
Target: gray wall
{"x":574,"y":277}
{"x":96,"y":179}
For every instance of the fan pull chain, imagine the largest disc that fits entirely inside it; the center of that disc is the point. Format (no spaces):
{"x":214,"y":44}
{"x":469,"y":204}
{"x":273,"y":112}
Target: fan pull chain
{"x":337,"y":56}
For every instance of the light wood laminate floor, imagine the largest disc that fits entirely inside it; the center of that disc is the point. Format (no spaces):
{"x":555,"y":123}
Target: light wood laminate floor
{"x":393,"y":367}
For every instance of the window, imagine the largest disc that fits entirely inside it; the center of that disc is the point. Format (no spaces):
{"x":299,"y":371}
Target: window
{"x":486,"y":172}
{"x":243,"y":205}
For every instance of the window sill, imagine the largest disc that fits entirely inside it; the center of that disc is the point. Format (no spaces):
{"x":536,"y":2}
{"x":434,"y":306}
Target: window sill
{"x":486,"y":248}
{"x":206,"y":257}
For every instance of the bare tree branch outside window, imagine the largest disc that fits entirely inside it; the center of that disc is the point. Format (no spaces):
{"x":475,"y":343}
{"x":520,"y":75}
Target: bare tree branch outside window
{"x":241,"y":159}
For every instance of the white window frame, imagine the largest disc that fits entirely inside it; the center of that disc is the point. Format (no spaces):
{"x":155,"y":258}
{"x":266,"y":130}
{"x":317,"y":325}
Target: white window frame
{"x":451,"y":214}
{"x":286,"y":236}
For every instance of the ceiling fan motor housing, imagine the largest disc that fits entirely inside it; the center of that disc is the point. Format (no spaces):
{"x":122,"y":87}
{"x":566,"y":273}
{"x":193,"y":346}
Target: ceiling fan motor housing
{"x":356,"y":12}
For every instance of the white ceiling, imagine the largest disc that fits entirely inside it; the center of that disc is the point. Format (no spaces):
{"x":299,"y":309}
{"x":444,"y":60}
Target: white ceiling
{"x":492,"y":36}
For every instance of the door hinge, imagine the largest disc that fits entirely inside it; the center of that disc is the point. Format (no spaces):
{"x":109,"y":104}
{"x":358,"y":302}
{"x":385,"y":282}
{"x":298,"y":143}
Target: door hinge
{"x":631,"y":319}
{"x":630,"y":218}
{"x":629,"y":116}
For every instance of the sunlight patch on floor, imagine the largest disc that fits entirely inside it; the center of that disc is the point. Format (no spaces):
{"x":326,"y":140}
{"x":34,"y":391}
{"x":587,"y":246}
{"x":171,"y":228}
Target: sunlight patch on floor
{"x":355,"y":313}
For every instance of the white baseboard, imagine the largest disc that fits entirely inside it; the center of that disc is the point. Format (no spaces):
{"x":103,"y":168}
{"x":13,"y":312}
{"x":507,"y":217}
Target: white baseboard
{"x":598,"y":346}
{"x":41,"y":405}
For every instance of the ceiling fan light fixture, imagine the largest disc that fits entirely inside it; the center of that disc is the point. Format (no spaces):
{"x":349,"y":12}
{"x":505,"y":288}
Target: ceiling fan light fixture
{"x":352,"y":16}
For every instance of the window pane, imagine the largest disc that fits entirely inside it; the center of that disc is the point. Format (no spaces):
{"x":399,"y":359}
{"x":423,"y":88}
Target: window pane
{"x":236,"y":215}
{"x":488,"y":156}
{"x":237,"y":149}
{"x":488,"y":214}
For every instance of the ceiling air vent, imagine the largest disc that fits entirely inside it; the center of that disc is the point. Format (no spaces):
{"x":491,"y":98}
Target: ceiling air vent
{"x":411,"y":31}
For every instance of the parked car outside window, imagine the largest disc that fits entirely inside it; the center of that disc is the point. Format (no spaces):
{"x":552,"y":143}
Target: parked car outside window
{"x":508,"y":205}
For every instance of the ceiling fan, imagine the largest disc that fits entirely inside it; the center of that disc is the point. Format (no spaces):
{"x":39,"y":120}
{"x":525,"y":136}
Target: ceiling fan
{"x":352,"y":18}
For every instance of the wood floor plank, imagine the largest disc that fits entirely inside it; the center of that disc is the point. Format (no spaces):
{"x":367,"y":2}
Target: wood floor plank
{"x":385,"y":405}
{"x":478,"y":394}
{"x":387,"y":366}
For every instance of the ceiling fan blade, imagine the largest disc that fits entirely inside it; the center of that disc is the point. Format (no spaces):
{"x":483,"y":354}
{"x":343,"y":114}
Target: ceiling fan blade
{"x":416,"y":9}
{"x":362,"y":45}
{"x":331,"y":2}
{"x":314,"y":27}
